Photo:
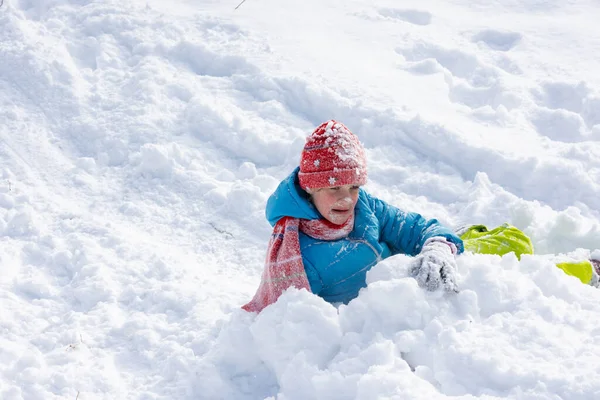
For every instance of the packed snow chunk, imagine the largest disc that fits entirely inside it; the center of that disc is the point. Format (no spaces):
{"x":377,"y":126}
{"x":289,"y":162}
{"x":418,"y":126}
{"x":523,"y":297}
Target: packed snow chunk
{"x":63,"y":259}
{"x":93,"y":285}
{"x":498,"y":283}
{"x":87,"y":164}
{"x":30,"y":368}
{"x":232,"y":368}
{"x":113,"y":153}
{"x":34,"y":286}
{"x":83,"y":172}
{"x":247,"y":171}
{"x":216,"y":196}
{"x":21,"y":223}
{"x":155,"y":161}
{"x":389,"y":269}
{"x":566,"y":230}
{"x":245,"y":199}
{"x":372,"y":312}
{"x":299,"y":325}
{"x":242,"y":199}
{"x":383,"y":378}
{"x":6,"y":201}
{"x":266,"y":183}
{"x":132,"y":209}
{"x":591,"y":110}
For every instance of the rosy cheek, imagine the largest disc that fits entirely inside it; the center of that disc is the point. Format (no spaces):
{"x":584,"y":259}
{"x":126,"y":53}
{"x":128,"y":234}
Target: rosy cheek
{"x":330,"y":200}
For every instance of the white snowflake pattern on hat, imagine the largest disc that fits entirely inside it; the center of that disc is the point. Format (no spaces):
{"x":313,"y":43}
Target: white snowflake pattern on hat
{"x":317,"y":163}
{"x":332,"y":180}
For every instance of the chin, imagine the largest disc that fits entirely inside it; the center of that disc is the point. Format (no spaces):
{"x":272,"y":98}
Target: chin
{"x":339,"y":219}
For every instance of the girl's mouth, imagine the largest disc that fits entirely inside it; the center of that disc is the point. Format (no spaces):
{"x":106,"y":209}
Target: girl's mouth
{"x":339,"y":216}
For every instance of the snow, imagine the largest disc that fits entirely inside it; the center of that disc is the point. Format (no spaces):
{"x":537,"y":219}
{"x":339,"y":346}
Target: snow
{"x":140,"y":140}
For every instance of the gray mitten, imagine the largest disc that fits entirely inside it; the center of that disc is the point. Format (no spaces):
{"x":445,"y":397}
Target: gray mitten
{"x":435,"y":265}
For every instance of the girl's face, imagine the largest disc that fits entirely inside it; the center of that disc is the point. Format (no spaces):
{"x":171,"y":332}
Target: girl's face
{"x":336,"y":204}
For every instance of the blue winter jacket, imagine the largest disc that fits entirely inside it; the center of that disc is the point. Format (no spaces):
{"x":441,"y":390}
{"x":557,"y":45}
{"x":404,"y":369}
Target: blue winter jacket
{"x":337,"y":270}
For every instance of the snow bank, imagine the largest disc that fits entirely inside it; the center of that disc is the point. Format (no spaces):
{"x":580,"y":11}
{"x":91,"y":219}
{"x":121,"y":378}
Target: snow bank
{"x":502,"y":336}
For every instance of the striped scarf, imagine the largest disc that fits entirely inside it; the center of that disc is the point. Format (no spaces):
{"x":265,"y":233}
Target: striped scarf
{"x":284,"y":267}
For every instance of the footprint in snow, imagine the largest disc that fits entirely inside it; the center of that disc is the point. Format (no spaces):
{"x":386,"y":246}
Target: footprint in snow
{"x":470,"y":81}
{"x":415,"y":17}
{"x":497,"y":40}
{"x":566,"y":112}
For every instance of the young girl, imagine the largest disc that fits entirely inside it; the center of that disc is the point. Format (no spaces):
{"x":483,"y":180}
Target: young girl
{"x":328,"y":232}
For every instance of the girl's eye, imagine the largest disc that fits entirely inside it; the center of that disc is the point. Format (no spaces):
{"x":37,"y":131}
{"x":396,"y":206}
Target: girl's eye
{"x":334,"y":189}
{"x":355,"y":187}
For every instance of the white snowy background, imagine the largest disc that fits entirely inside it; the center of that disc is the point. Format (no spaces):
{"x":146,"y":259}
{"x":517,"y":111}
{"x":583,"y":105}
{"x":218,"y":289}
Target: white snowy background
{"x":140,"y":140}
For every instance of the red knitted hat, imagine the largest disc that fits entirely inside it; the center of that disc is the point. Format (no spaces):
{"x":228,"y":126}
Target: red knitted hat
{"x":332,"y":156}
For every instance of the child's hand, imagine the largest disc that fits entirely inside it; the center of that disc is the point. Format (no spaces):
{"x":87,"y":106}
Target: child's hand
{"x":435,"y":265}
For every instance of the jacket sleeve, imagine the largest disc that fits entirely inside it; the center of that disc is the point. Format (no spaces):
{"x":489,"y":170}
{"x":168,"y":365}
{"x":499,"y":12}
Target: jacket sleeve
{"x":406,"y":232}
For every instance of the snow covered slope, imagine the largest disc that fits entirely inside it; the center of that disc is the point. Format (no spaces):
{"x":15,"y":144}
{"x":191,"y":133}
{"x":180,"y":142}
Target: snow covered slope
{"x":139,"y":141}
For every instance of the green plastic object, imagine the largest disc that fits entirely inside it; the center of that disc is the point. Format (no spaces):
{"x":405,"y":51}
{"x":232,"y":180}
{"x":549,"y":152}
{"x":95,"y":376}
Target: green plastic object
{"x":506,"y":238}
{"x":501,"y":240}
{"x":582,"y":270}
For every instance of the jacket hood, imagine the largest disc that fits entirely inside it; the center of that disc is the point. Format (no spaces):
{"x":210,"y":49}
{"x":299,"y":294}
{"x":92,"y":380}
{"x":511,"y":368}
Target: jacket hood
{"x":289,"y":200}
